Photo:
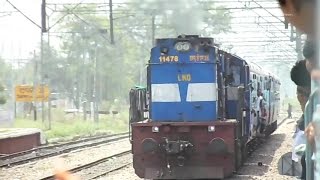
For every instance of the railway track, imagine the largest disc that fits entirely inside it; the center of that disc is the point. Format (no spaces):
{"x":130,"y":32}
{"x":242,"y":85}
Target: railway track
{"x":100,"y":167}
{"x":254,"y":144}
{"x":53,"y":150}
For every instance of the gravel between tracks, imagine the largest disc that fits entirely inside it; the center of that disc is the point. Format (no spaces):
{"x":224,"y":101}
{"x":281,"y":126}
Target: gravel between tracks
{"x":107,"y":166}
{"x":44,"y":167}
{"x":279,"y":143}
{"x":269,"y":153}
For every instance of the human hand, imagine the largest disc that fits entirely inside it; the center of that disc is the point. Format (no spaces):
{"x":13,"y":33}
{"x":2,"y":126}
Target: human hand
{"x":310,"y":133}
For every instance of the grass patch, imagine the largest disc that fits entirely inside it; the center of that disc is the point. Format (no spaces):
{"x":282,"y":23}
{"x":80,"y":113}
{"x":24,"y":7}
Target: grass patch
{"x":69,"y":127}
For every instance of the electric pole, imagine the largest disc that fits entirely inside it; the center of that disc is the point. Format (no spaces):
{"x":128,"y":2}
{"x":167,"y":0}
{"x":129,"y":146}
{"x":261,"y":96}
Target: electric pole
{"x":43,"y":29}
{"x":35,"y":70}
{"x":95,"y":94}
{"x":111,"y":22}
{"x":153,"y":32}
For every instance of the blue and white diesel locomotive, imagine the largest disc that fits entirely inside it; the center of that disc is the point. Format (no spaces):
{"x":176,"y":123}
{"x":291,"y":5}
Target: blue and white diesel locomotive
{"x":200,"y":110}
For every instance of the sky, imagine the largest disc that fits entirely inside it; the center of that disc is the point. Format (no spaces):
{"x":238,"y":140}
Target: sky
{"x":18,"y":36}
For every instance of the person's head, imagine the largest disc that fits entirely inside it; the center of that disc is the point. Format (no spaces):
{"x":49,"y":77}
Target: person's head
{"x":301,"y":77}
{"x":300,"y":13}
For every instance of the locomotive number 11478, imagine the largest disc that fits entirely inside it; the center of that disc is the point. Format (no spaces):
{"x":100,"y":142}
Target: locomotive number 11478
{"x":169,"y":58}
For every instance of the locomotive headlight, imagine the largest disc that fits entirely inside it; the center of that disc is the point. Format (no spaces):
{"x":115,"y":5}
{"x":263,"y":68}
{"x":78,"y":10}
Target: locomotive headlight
{"x":179,"y":46}
{"x":211,"y":128}
{"x":182,"y":46}
{"x":186,"y":46}
{"x":155,"y":129}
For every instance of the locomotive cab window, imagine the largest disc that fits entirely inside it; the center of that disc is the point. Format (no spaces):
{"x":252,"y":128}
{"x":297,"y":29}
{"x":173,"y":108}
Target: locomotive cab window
{"x":235,"y":72}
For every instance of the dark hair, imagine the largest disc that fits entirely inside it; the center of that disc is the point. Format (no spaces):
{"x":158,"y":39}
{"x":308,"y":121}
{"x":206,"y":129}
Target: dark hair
{"x":297,"y":4}
{"x":300,"y":75}
{"x":282,"y":2}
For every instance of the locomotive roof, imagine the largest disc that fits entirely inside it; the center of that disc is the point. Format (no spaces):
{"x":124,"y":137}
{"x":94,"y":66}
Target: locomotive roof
{"x":259,"y":70}
{"x":256,"y":68}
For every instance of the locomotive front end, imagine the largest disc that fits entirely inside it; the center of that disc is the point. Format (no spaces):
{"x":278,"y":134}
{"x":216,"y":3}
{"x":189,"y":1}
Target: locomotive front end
{"x":185,"y":136}
{"x":183,"y":150}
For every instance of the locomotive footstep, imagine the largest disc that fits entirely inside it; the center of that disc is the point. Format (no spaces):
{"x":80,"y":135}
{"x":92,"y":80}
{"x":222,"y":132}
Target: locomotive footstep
{"x":286,"y":166}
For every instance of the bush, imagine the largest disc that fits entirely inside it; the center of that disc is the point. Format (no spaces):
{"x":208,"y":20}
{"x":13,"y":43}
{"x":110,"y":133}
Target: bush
{"x":61,"y":128}
{"x":105,"y":105}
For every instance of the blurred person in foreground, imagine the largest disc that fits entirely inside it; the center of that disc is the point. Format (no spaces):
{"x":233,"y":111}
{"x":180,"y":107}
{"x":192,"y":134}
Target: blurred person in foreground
{"x":309,"y":53}
{"x":61,"y":172}
{"x":301,"y":14}
{"x":301,"y":77}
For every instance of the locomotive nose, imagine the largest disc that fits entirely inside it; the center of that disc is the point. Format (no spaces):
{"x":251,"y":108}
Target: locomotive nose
{"x":217,"y":146}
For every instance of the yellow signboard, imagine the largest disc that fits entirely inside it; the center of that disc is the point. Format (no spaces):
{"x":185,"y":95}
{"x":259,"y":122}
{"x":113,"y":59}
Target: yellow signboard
{"x":24,"y":93}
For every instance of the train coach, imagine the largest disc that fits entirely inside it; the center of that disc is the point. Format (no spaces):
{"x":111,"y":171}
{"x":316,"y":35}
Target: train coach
{"x":200,"y":110}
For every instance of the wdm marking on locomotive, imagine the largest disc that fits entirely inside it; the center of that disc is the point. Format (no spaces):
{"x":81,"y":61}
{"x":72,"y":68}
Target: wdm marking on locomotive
{"x":184,"y":77}
{"x":169,"y":58}
{"x":198,"y":57}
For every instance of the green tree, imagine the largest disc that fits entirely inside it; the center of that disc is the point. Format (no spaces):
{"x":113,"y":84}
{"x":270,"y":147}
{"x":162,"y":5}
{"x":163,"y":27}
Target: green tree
{"x":3,"y":98}
{"x":5,"y":80}
{"x":88,"y":56}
